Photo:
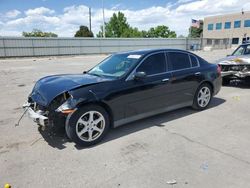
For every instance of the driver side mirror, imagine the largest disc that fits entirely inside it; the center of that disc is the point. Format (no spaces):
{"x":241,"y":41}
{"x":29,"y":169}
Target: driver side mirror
{"x":140,"y":75}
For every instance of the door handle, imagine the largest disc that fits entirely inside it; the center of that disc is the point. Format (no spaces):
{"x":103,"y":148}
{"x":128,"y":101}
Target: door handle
{"x":165,"y":80}
{"x":197,"y":74}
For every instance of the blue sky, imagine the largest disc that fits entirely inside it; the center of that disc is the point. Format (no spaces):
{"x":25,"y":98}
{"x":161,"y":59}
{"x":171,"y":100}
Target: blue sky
{"x":65,"y":16}
{"x":58,"y":5}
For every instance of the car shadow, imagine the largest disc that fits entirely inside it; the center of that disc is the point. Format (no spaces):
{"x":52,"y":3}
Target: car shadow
{"x":57,"y":138}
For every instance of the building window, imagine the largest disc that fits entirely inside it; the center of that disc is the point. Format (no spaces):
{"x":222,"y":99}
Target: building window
{"x":235,"y":41}
{"x":237,"y":24}
{"x":247,"y":23}
{"x":218,"y":26}
{"x":227,"y":25}
{"x":210,"y":27}
{"x":209,"y":41}
{"x":216,"y":41}
{"x":225,"y":41}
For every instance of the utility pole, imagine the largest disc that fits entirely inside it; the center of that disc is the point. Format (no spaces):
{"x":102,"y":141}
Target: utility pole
{"x":90,"y":19}
{"x":103,"y":21}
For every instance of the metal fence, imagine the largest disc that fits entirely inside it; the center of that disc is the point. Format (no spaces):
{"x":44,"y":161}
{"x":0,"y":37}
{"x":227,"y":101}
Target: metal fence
{"x":223,"y":43}
{"x":23,"y":47}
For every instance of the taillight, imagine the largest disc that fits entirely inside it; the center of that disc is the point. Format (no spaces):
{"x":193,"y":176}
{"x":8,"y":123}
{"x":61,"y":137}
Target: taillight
{"x":219,"y":69}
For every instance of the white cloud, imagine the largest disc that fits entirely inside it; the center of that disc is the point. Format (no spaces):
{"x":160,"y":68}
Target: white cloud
{"x":39,"y":11}
{"x":12,"y":13}
{"x":177,"y":16}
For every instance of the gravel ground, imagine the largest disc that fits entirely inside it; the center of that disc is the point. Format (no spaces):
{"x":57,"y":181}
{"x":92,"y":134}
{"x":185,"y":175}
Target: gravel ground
{"x":193,"y":149}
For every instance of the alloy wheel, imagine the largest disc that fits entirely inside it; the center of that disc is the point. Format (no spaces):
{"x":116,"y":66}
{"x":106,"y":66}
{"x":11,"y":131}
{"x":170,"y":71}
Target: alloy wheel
{"x":90,"y":126}
{"x":204,"y":96}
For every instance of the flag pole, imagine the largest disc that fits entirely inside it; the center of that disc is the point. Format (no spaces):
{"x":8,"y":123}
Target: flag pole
{"x":103,"y":21}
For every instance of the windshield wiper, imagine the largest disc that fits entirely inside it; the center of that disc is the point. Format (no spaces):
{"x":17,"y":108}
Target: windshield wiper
{"x":94,"y":74}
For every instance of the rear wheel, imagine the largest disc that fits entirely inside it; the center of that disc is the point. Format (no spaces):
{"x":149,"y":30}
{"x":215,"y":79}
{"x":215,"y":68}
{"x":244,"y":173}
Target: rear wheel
{"x":202,"y":97}
{"x":88,"y":125}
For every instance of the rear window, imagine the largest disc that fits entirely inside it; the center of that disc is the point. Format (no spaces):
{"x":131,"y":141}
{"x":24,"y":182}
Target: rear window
{"x":194,"y":61}
{"x":179,"y":60}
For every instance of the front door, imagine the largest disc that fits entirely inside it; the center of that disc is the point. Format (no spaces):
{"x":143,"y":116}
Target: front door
{"x":141,"y":96}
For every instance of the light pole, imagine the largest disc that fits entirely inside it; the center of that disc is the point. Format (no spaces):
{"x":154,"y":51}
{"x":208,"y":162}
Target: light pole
{"x":103,"y":21}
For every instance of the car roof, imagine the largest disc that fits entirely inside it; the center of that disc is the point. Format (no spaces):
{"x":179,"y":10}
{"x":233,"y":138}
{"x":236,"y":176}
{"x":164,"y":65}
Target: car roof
{"x":148,"y":51}
{"x":248,"y":43}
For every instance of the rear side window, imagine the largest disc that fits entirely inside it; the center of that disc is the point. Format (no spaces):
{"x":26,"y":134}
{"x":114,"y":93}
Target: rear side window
{"x":194,"y":61}
{"x":154,"y":64}
{"x":179,"y":60}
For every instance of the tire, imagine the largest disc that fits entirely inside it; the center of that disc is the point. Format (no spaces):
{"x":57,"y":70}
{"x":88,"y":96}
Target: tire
{"x":247,"y":79}
{"x":88,"y":125}
{"x":202,"y":97}
{"x":225,"y":81}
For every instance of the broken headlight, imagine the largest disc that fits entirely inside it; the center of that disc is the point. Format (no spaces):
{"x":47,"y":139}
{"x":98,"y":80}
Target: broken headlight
{"x":67,"y":107}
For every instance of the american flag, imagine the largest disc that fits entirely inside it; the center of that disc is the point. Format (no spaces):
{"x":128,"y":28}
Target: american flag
{"x":195,"y":23}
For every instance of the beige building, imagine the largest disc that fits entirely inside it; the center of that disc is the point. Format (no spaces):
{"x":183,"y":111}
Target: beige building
{"x":227,"y":29}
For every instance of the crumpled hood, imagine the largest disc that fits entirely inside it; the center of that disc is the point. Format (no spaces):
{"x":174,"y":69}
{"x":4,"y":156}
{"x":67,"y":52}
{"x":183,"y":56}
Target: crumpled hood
{"x":235,"y":60}
{"x":47,"y":88}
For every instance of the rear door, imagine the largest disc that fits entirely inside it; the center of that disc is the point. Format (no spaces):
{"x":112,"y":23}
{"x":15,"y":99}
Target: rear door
{"x":186,"y":76}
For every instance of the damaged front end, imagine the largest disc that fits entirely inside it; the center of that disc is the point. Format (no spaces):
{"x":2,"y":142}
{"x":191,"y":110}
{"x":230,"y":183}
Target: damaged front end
{"x":55,"y":113}
{"x":235,"y":68}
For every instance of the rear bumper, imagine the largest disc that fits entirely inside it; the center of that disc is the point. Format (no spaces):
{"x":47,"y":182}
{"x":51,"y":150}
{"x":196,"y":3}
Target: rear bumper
{"x":217,"y":83}
{"x":36,"y":116}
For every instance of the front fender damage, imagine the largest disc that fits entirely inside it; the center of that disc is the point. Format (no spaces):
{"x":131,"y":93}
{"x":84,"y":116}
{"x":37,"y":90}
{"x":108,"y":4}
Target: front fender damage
{"x":75,"y":100}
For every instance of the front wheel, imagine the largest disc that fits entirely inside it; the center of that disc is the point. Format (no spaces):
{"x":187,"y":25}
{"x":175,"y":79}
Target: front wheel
{"x":225,"y":81}
{"x":202,"y":97}
{"x":88,"y":125}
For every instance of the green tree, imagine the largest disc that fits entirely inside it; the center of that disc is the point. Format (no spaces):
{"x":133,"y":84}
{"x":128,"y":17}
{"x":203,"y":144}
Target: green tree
{"x":195,"y":32}
{"x":117,"y":25}
{"x":132,"y":33}
{"x":84,"y":32}
{"x":161,"y":31}
{"x":38,"y":33}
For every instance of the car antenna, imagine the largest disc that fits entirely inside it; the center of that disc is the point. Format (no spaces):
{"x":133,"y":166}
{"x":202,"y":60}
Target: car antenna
{"x":18,"y":123}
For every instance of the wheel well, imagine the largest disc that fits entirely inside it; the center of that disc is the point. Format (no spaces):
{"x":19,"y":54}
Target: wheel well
{"x":209,"y":83}
{"x":105,"y":106}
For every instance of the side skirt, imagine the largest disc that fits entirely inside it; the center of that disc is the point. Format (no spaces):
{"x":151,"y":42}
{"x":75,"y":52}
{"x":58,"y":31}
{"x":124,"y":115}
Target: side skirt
{"x":151,"y":113}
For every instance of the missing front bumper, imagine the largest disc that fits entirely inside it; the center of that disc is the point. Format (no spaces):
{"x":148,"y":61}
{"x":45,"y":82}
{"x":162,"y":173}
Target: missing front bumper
{"x":37,"y":117}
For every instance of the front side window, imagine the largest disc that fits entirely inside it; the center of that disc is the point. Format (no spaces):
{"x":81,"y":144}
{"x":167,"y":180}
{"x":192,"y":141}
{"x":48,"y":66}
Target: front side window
{"x":179,"y":60}
{"x":218,"y":26}
{"x":227,"y":25}
{"x":237,"y":24}
{"x":115,"y":65}
{"x":210,"y":27}
{"x":247,"y":23}
{"x":154,"y":64}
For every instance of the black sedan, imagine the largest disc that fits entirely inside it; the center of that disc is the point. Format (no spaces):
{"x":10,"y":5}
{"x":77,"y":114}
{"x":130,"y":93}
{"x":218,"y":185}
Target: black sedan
{"x":123,"y":88}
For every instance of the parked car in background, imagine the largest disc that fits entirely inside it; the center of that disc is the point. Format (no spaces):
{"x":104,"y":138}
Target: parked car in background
{"x":124,"y":87}
{"x":236,"y":65}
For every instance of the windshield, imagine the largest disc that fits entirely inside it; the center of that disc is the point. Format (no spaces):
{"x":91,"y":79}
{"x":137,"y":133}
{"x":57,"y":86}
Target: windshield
{"x":116,"y":65}
{"x":239,"y":51}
